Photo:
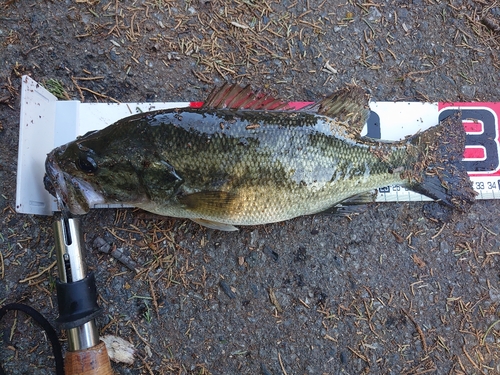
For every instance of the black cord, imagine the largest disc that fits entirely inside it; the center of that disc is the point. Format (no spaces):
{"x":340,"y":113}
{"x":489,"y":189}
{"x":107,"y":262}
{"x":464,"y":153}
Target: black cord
{"x":51,"y":333}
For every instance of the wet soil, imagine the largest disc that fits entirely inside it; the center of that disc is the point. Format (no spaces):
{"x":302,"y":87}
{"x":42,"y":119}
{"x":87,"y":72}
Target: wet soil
{"x":401,"y":288}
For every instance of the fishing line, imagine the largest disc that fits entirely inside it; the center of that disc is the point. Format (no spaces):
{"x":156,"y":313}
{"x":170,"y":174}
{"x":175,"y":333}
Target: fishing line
{"x":46,"y":326}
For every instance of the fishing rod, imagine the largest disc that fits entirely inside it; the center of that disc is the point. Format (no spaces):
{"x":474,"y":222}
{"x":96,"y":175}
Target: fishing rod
{"x":77,"y":304}
{"x":77,"y":301}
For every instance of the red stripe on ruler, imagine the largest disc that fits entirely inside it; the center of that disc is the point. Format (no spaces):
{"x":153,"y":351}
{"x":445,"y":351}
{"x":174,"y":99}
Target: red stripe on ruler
{"x":475,"y":153}
{"x":293,"y":105}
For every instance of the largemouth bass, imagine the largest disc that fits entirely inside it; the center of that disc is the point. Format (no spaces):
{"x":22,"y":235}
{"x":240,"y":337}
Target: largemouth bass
{"x":247,"y":159}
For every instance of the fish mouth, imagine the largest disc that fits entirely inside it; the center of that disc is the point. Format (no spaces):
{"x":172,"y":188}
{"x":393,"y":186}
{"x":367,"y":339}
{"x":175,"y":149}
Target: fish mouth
{"x":77,"y":194}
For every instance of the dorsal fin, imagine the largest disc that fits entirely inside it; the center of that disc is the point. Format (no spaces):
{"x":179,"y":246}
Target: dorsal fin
{"x":348,"y":106}
{"x":232,"y":96}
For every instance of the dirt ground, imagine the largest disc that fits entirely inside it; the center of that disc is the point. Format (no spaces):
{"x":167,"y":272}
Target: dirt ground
{"x":390,"y":291}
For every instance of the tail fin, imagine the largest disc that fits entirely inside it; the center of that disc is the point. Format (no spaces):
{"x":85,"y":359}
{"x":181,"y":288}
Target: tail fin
{"x":439,"y":172}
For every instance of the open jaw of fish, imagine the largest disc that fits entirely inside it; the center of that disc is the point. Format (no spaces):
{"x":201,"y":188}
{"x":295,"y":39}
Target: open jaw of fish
{"x":248,"y":159}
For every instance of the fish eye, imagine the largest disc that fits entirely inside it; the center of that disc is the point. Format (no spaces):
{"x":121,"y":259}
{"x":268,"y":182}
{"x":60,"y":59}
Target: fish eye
{"x":86,"y":164}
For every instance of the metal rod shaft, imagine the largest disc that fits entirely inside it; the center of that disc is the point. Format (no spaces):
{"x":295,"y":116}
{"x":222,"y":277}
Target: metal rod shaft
{"x":70,"y":258}
{"x":72,"y":268}
{"x":83,"y":337}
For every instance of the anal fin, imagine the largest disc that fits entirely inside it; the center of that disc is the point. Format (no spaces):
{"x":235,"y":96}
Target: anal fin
{"x":361,"y":198}
{"x":352,"y":205}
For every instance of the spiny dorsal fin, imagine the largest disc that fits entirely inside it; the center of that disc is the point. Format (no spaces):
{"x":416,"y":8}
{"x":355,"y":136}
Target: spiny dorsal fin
{"x":232,"y":96}
{"x":348,"y":106}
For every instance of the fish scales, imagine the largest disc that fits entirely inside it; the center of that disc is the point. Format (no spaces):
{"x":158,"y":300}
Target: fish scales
{"x":224,"y":166}
{"x":289,"y":165}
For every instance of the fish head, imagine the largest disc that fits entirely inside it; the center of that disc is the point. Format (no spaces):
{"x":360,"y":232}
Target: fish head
{"x":70,"y":176}
{"x":93,"y":170}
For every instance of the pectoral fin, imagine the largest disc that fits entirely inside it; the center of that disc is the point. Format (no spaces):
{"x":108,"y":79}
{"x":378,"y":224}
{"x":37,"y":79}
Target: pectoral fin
{"x":211,"y":204}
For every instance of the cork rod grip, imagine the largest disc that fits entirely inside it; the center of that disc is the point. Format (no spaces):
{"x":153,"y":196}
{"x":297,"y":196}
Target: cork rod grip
{"x":92,"y":361}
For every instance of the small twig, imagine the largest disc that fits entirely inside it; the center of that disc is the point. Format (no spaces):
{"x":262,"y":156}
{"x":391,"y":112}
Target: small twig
{"x":305,"y":304}
{"x":82,"y":98}
{"x":13,"y":329}
{"x":81,"y":88}
{"x":328,"y":337}
{"x":470,"y":359}
{"x":422,"y":71}
{"x":2,"y":268}
{"x":419,"y":330}
{"x":153,"y":294}
{"x":144,"y":341}
{"x":460,"y":363}
{"x":127,"y":261}
{"x":202,"y":77}
{"x":39,"y":274}
{"x":100,"y":95}
{"x":117,"y":253}
{"x":489,"y":230}
{"x":88,"y":78}
{"x":487,"y":331}
{"x":439,"y":231}
{"x":358,"y":354}
{"x":281,"y":364}
{"x":146,"y":365}
{"x":34,"y":48}
{"x":138,"y":334}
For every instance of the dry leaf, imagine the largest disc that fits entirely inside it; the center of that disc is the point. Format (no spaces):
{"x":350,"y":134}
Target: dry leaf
{"x":418,"y":261}
{"x":119,"y":350}
{"x":274,"y":300}
{"x":240,"y":25}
